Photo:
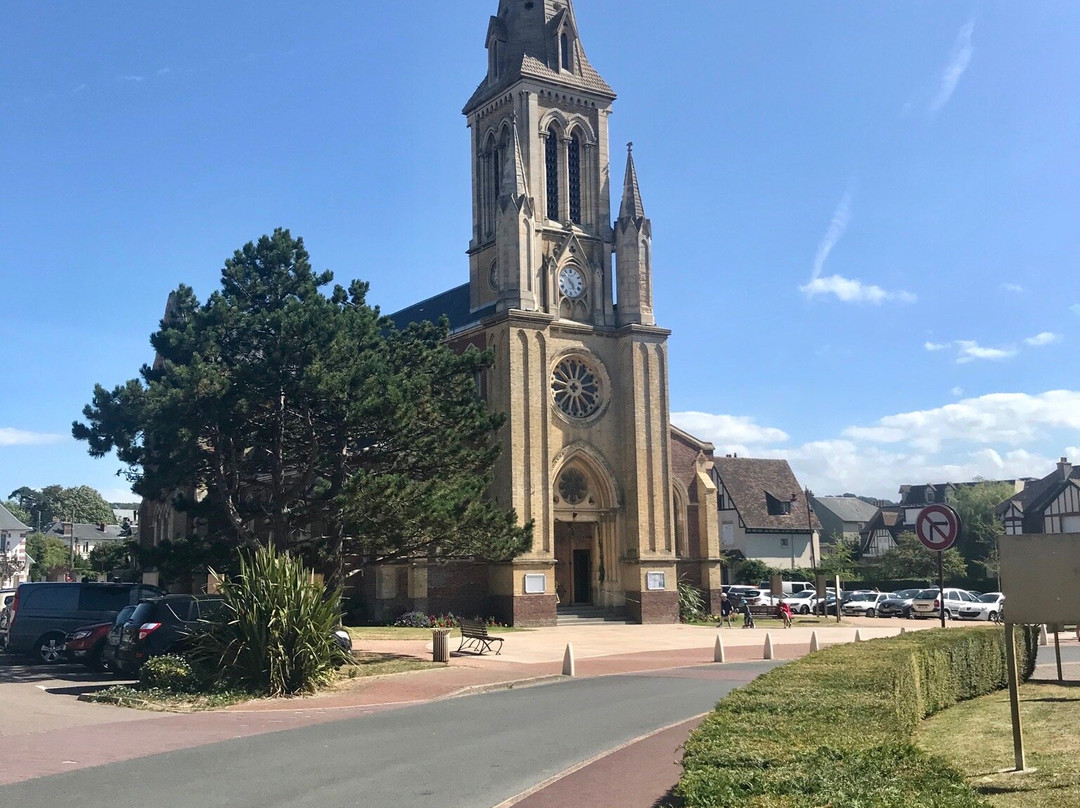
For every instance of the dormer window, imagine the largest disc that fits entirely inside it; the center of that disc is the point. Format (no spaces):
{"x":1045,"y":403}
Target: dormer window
{"x":777,"y":506}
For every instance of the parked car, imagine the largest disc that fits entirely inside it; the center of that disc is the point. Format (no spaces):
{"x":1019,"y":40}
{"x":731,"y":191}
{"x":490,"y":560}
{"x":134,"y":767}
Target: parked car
{"x":85,"y":645}
{"x":866,"y":603}
{"x":804,"y":602}
{"x":43,"y":614}
{"x":928,"y":603}
{"x":788,"y":588}
{"x":753,"y":595}
{"x":899,"y":606}
{"x":112,"y":639}
{"x":161,"y":625}
{"x":985,"y":607}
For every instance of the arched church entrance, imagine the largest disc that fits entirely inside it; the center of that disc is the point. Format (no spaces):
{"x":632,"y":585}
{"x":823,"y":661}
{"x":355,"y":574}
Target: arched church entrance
{"x":585,"y":540}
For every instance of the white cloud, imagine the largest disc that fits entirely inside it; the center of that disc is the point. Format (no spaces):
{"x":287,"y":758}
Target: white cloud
{"x":130,"y":78}
{"x":935,"y":346}
{"x":1015,"y":288}
{"x":162,"y":71}
{"x":1075,"y":308}
{"x":853,"y":291}
{"x":969,"y":350}
{"x":957,"y":391}
{"x":992,"y":436}
{"x":730,"y":433}
{"x":1042,"y":338}
{"x":21,"y":437}
{"x":837,"y":225}
{"x":1012,"y":419}
{"x":959,"y":60}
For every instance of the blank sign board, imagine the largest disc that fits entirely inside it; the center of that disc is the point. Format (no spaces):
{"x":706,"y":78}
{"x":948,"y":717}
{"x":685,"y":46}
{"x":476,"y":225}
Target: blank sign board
{"x":1040,"y":576}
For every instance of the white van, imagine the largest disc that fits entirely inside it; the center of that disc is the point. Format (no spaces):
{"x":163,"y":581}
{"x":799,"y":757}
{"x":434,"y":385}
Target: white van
{"x":789,"y":587}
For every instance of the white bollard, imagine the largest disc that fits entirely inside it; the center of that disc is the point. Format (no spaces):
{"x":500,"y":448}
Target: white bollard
{"x":768,"y":651}
{"x":718,"y":650}
{"x":903,"y":629}
{"x":815,"y":644}
{"x":858,"y":636}
{"x":1042,"y":635}
{"x":568,"y":661}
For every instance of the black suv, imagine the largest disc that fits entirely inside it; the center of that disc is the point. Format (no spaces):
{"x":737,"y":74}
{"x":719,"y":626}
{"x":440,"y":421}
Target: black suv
{"x":162,"y":626}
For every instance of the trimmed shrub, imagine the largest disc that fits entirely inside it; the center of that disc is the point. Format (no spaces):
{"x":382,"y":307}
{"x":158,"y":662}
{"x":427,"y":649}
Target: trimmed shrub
{"x":276,"y":635}
{"x":834,"y":728}
{"x":413,"y":620}
{"x":168,"y":672}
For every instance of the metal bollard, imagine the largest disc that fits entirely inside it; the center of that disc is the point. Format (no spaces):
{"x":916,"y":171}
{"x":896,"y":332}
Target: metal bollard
{"x":440,"y":645}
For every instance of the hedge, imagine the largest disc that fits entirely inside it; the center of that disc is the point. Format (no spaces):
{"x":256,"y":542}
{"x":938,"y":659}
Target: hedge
{"x":835,"y":727}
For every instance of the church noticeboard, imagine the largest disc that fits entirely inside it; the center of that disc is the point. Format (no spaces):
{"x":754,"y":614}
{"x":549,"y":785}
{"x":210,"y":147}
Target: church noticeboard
{"x":655,"y":580}
{"x":535,"y":583}
{"x":1040,"y":577}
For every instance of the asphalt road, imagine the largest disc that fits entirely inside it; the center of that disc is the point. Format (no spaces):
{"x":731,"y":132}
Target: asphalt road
{"x":471,"y":752}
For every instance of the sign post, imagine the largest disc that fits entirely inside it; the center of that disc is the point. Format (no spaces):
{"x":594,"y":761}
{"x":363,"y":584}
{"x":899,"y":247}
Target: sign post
{"x":938,"y":527}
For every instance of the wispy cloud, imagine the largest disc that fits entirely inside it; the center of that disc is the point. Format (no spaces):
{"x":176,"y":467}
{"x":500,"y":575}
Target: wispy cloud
{"x":837,"y":225}
{"x":1015,"y":288}
{"x":957,"y":391}
{"x":968,"y":350}
{"x":848,"y":290}
{"x":129,"y":78}
{"x":21,"y":437}
{"x":935,"y":346}
{"x":1042,"y":338}
{"x":1075,"y":308}
{"x":959,"y":60}
{"x":162,"y":71}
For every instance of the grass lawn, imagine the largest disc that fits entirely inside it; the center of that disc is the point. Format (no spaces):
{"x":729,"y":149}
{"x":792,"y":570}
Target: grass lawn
{"x":976,"y":737}
{"x":373,"y":664}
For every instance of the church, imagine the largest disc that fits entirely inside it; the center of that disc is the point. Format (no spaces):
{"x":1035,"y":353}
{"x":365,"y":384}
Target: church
{"x":624,"y":504}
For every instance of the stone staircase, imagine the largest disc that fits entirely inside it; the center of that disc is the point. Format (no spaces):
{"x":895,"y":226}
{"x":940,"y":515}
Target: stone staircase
{"x":587,"y":615}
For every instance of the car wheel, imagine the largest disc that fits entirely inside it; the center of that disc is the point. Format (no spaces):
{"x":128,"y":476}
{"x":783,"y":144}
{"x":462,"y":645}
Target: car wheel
{"x":804,"y":610}
{"x":993,"y":617}
{"x":907,"y":614}
{"x":51,"y":648}
{"x":871,"y":613}
{"x":93,"y":660}
{"x":948,"y":615}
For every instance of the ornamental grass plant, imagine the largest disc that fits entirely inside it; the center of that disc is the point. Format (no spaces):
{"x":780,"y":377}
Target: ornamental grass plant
{"x":835,"y":728}
{"x":275,"y":635}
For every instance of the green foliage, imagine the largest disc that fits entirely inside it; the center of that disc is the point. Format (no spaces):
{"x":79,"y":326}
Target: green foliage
{"x":56,"y":503}
{"x":841,"y":561}
{"x":848,"y":743}
{"x":176,"y":560}
{"x":109,"y":556}
{"x":691,"y":603}
{"x":18,"y":512}
{"x":168,"y":672}
{"x":10,"y":566}
{"x":50,"y":554}
{"x":310,"y":419}
{"x":978,"y":539}
{"x":910,"y":560}
{"x":752,"y":571}
{"x":413,"y":619}
{"x":276,"y":631}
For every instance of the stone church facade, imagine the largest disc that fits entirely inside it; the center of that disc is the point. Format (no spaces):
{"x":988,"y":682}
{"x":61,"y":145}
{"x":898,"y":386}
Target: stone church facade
{"x":623,"y":503}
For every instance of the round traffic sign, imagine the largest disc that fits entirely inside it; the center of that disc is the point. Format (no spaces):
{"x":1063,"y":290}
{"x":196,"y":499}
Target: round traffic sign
{"x":937,"y":527}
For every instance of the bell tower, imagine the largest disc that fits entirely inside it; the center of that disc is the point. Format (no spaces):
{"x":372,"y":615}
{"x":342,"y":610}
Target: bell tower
{"x":580,"y":376}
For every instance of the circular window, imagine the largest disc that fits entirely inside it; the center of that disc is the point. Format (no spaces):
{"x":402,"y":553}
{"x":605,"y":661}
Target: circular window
{"x":573,"y":486}
{"x":575,"y":388}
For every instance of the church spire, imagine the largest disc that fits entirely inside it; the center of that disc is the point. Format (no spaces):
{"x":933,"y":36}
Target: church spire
{"x":514,"y":183}
{"x":631,"y":207}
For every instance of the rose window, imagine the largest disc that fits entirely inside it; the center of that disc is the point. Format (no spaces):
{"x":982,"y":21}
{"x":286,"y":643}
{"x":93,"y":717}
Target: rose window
{"x":575,"y":388}
{"x":573,"y":486}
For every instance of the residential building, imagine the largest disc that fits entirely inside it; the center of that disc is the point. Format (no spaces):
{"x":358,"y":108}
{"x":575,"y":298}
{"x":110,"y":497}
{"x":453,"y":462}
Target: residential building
{"x":1049,"y":505}
{"x":13,"y":535}
{"x":85,"y":537}
{"x":842,"y":517}
{"x":763,"y":512}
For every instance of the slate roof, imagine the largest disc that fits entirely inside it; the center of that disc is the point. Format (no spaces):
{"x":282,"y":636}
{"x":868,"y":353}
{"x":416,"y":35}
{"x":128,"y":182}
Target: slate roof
{"x":454,"y":303}
{"x":847,"y":509}
{"x":87,"y":532}
{"x":748,"y":480}
{"x":9,"y":522}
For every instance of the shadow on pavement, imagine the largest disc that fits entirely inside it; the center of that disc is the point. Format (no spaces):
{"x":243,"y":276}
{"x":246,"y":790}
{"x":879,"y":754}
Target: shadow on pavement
{"x":22,"y":670}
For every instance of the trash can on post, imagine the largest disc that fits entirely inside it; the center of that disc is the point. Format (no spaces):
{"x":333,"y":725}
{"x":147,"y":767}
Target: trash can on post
{"x":440,"y":645}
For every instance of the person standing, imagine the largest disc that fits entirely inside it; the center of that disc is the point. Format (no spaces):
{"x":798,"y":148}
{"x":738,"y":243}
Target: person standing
{"x":726,"y":610}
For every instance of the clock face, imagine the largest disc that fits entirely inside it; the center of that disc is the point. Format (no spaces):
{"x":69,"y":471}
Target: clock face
{"x":571,"y":282}
{"x":493,"y":276}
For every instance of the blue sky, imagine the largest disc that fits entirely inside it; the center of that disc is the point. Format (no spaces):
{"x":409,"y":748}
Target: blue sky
{"x":866,"y":217}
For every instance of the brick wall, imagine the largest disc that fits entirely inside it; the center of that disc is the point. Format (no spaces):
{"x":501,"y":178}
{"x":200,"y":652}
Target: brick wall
{"x":460,"y":587}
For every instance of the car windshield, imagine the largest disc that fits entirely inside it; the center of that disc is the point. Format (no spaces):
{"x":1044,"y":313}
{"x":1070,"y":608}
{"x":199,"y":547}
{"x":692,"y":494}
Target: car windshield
{"x":864,"y":596}
{"x":927,"y":594}
{"x":904,"y":594}
{"x":990,"y":597}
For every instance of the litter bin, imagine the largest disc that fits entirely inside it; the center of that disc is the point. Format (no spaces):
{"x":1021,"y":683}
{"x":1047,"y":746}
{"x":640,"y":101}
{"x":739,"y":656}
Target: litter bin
{"x":440,"y":645}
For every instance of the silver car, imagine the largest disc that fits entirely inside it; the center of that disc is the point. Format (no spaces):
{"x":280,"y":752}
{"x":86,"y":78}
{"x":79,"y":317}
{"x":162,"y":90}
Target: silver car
{"x":927,"y":603}
{"x":866,"y":603}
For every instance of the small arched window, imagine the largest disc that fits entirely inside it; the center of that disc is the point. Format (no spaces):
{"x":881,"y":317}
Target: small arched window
{"x":551,"y":167}
{"x":564,"y":47}
{"x":573,"y":163}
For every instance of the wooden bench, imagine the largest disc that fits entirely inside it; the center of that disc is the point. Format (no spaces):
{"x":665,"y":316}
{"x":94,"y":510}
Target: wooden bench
{"x":763,"y":611}
{"x":475,"y":638}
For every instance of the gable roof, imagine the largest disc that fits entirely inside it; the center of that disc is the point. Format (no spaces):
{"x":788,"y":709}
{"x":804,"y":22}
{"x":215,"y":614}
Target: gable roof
{"x":87,"y":532}
{"x":750,"y":481}
{"x":1040,"y":493}
{"x":454,"y":303}
{"x":846,"y":509}
{"x":9,"y":522}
